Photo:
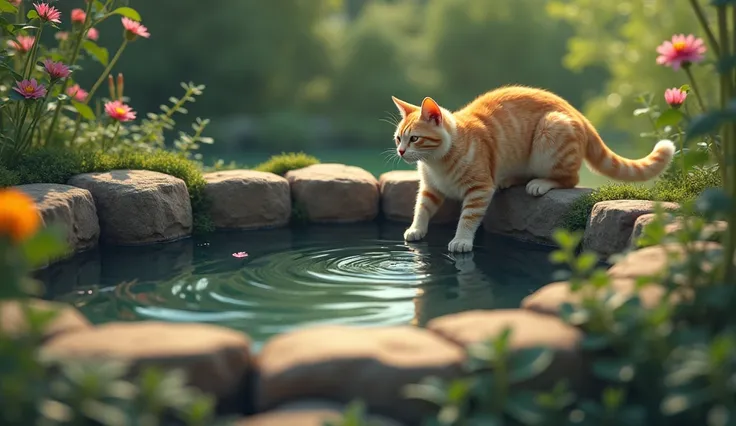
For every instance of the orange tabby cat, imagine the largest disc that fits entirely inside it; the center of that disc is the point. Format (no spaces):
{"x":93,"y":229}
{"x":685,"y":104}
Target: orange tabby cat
{"x":509,"y":136}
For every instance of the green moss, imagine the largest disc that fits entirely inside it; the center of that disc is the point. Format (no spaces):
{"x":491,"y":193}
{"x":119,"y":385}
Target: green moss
{"x":57,"y":166}
{"x":8,"y":178}
{"x":280,"y":164}
{"x":679,"y":188}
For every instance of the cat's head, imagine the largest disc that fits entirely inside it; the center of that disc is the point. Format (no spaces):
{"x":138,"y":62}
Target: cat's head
{"x":423,"y":132}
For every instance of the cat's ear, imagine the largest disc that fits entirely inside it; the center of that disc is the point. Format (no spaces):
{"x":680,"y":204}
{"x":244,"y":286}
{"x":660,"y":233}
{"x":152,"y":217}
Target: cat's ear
{"x":431,"y":111}
{"x":405,"y":108}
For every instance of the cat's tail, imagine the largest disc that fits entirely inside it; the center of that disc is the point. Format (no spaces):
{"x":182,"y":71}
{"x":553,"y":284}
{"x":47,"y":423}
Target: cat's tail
{"x":602,"y":160}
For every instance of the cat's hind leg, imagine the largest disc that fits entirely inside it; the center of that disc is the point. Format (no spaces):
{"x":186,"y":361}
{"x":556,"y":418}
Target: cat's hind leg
{"x":557,"y":154}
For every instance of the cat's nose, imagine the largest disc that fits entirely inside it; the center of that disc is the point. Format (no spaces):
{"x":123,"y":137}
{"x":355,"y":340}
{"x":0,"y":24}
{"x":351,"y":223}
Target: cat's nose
{"x":401,"y":151}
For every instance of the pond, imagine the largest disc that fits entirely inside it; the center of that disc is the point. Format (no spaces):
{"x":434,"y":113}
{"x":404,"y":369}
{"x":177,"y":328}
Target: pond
{"x":338,"y":274}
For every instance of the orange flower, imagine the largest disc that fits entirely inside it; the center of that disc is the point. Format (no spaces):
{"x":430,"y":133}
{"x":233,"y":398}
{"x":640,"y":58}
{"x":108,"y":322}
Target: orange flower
{"x":19,"y":218}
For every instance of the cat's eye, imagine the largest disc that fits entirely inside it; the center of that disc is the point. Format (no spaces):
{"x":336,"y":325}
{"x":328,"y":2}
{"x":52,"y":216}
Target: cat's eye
{"x":413,"y":138}
{"x":398,"y":139}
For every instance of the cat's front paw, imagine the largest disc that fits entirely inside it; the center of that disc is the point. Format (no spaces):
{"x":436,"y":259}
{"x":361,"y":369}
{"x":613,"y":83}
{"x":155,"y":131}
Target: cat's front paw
{"x":414,"y":234}
{"x":460,"y":245}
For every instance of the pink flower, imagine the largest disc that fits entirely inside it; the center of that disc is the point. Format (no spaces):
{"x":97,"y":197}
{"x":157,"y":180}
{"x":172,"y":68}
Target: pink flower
{"x":119,"y":111}
{"x":24,"y":43}
{"x":48,"y":13}
{"x":240,"y":255}
{"x":134,"y":29}
{"x":681,"y":51}
{"x":77,"y":93}
{"x":56,"y":70}
{"x":93,"y":34}
{"x":78,"y":16}
{"x":675,"y":97}
{"x":30,"y":89}
{"x":61,"y":35}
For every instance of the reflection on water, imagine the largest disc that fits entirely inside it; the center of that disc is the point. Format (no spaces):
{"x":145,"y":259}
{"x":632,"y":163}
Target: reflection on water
{"x":351,"y":274}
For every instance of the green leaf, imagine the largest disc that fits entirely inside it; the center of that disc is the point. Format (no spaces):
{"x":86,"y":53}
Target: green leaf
{"x":614,"y":369}
{"x":586,"y":261}
{"x":685,"y":88}
{"x":704,"y":124}
{"x":671,"y":117}
{"x":97,"y":52}
{"x":641,"y":111}
{"x":128,"y":12}
{"x":529,"y":363}
{"x":50,"y":243}
{"x":722,"y":2}
{"x":32,"y":14}
{"x":523,"y":407}
{"x":714,"y":203}
{"x":84,"y":110}
{"x":594,"y":342}
{"x":6,"y":7}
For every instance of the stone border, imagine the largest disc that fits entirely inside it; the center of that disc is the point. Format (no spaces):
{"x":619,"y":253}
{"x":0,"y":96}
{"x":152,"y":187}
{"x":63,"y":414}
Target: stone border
{"x":134,"y":207}
{"x":292,"y":379}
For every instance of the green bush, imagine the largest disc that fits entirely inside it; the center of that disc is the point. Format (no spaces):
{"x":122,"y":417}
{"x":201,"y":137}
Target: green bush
{"x":280,"y":164}
{"x":675,"y":187}
{"x":58,"y":166}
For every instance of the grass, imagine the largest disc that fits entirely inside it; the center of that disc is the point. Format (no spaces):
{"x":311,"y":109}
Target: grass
{"x":280,"y":164}
{"x":58,"y":166}
{"x":672,"y":187}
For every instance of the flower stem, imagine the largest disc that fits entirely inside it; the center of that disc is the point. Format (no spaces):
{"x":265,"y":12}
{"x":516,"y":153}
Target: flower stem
{"x":106,"y":71}
{"x":704,"y":23}
{"x":113,"y":139}
{"x":694,"y":86}
{"x":72,"y":61}
{"x":77,"y":123}
{"x":31,"y":58}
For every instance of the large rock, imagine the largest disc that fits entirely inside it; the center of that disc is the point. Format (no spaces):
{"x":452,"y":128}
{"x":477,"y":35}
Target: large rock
{"x":399,"y":194}
{"x":611,"y":223}
{"x":308,"y":413}
{"x":13,"y":319}
{"x":335,"y":193}
{"x":652,"y":261}
{"x":514,"y":212}
{"x":215,"y":360}
{"x":70,"y":207}
{"x":248,"y":199}
{"x":138,"y":206}
{"x":529,"y":330}
{"x":347,"y":363}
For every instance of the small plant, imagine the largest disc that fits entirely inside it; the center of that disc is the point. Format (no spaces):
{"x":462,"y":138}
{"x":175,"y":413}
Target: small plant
{"x":280,"y":164}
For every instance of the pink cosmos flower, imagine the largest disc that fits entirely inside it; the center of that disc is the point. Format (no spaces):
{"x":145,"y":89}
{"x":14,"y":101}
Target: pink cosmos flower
{"x":48,"y":13}
{"x":77,"y":93}
{"x":134,"y":29}
{"x":675,"y":97}
{"x":56,"y":70}
{"x":240,"y":255}
{"x":61,"y":35}
{"x":119,"y":111}
{"x":93,"y":34}
{"x":24,"y":43}
{"x":681,"y":50}
{"x":30,"y":89}
{"x":78,"y":16}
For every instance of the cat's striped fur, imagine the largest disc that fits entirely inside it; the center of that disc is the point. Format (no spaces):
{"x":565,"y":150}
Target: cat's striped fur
{"x":514,"y":135}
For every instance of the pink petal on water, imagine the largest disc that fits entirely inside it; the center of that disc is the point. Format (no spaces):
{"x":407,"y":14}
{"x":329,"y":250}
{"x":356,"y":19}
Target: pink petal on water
{"x":240,"y":254}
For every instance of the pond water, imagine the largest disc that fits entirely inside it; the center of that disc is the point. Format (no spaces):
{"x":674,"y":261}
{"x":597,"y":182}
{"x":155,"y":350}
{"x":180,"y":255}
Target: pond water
{"x":348,"y":274}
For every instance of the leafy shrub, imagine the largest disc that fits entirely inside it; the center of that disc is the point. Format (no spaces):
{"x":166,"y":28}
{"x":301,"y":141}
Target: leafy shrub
{"x":280,"y":164}
{"x":8,"y":177}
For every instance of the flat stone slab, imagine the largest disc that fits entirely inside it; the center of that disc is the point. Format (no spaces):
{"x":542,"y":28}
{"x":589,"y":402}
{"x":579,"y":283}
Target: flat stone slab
{"x":248,"y":199}
{"x":215,"y":360}
{"x":611,"y":224}
{"x":70,"y":207}
{"x":335,"y":193}
{"x":68,"y":319}
{"x":399,"y":190}
{"x":652,"y":261}
{"x":138,"y":206}
{"x":346,"y":363}
{"x":308,"y":413}
{"x":515,"y":213}
{"x":530,"y":330}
